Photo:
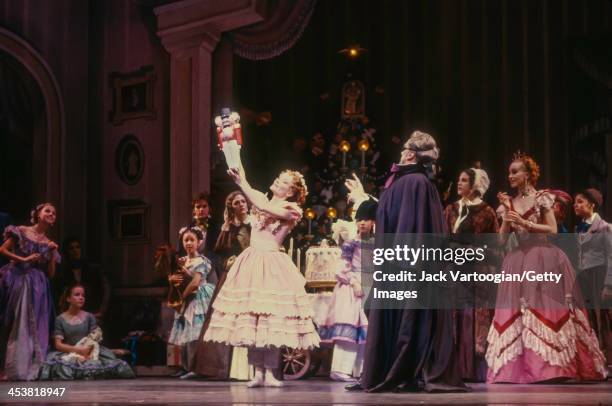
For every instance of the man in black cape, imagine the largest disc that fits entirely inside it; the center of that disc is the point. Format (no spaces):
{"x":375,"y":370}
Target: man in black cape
{"x":409,"y":349}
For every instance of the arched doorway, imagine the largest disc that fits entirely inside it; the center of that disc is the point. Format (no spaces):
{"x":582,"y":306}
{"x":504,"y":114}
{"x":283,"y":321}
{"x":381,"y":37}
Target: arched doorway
{"x":22,"y":128}
{"x":31,"y":129}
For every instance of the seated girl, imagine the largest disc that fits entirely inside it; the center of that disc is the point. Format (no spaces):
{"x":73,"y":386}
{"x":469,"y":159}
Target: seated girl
{"x":73,"y":328}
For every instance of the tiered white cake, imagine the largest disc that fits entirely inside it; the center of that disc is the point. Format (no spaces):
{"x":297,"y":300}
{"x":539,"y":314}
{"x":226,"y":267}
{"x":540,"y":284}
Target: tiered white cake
{"x":322,"y":263}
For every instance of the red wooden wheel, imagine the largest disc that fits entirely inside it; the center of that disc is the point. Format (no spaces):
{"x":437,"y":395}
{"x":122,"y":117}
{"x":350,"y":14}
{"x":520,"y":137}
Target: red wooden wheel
{"x":295,"y":363}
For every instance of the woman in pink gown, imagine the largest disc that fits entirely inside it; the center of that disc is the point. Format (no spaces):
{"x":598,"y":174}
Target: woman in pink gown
{"x":263,"y":304}
{"x":540,"y":331}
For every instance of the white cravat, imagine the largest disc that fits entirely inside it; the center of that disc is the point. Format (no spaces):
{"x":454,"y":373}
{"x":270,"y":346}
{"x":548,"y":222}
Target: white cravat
{"x":465,"y":202}
{"x":591,"y":219}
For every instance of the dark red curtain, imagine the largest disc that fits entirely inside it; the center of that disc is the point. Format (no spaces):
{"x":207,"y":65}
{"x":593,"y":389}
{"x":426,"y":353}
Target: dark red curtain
{"x":284,"y":23}
{"x":485,"y":77}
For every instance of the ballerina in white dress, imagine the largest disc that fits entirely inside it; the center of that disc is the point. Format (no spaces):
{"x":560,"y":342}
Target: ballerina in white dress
{"x":263,"y":304}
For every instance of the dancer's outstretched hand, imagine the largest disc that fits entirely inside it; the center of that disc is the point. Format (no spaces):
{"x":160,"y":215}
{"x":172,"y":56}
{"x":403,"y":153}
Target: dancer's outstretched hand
{"x":237,"y":174}
{"x":355,"y":188}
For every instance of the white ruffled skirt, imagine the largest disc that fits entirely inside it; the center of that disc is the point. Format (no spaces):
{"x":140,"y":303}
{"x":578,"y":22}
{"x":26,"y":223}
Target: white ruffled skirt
{"x":263,"y":303}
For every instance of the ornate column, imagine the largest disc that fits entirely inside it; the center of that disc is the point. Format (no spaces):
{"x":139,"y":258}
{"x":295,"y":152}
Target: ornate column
{"x":190,"y":31}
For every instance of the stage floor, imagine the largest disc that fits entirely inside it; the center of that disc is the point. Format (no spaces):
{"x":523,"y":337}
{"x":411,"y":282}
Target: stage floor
{"x":311,"y":391}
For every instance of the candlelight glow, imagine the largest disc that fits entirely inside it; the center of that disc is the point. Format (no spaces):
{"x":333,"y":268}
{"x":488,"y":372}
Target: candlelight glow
{"x":310,"y":214}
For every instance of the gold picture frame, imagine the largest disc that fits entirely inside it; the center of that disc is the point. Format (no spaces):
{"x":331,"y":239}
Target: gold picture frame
{"x":129,"y":220}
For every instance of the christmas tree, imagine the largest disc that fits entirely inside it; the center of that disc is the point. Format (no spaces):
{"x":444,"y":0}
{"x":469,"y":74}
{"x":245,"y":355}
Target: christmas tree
{"x":352,"y":149}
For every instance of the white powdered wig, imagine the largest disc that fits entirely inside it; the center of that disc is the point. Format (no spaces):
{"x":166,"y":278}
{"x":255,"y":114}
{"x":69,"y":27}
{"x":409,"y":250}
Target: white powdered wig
{"x":424,"y":145}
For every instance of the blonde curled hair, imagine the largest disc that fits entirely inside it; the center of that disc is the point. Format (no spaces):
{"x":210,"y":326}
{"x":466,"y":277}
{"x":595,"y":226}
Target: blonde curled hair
{"x":300,"y":191}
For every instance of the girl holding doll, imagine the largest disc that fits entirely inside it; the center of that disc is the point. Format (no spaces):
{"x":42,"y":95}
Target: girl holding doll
{"x":78,"y":353}
{"x":196,"y":296}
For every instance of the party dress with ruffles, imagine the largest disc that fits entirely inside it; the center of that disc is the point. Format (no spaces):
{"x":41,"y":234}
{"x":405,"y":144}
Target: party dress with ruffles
{"x":263,"y":302}
{"x":540,"y":331}
{"x":26,"y":308}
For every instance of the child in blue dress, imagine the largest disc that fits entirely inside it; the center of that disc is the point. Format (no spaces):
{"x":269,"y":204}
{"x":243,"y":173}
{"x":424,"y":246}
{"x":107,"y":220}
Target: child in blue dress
{"x":196,"y":296}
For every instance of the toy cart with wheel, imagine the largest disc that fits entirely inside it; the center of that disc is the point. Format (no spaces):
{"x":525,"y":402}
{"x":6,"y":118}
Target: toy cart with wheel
{"x":321,"y":264}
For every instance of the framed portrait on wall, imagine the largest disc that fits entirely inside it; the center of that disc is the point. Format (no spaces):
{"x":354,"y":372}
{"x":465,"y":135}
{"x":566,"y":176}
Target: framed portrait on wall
{"x":130,"y":159}
{"x":132,"y":95}
{"x":129,"y":220}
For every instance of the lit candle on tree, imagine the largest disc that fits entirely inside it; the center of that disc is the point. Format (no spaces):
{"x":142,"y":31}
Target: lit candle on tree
{"x":331,"y":214}
{"x":363,"y":146}
{"x":345,"y":147}
{"x":310,"y":215}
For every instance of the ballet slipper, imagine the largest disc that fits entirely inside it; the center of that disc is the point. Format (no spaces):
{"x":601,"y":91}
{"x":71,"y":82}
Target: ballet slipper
{"x":271,"y":381}
{"x":258,"y":379}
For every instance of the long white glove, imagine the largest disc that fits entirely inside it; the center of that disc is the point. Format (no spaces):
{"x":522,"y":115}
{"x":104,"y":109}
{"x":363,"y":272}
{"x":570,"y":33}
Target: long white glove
{"x":357,"y":194}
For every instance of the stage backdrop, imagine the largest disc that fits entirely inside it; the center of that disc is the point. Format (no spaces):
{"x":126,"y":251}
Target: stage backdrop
{"x":486,"y":78}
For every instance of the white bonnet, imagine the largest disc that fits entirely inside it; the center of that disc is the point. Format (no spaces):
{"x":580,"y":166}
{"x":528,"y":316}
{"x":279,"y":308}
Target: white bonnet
{"x":481,"y":181}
